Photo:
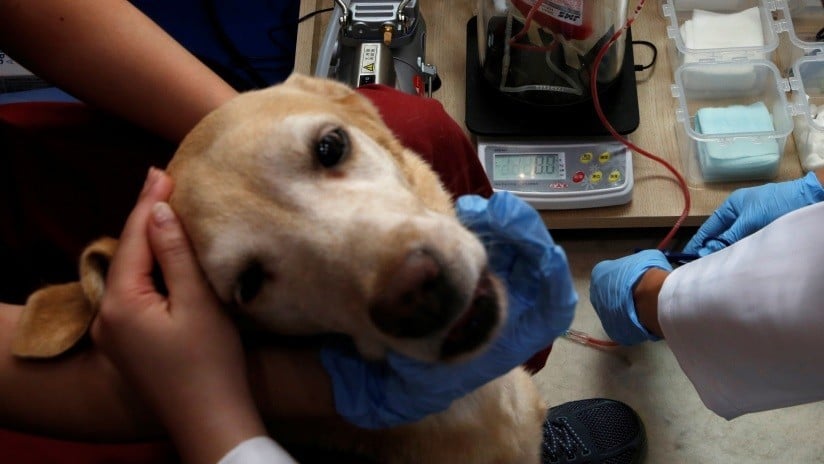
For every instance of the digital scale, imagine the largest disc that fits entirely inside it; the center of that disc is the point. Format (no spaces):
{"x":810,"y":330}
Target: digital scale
{"x":560,"y":175}
{"x":554,"y":157}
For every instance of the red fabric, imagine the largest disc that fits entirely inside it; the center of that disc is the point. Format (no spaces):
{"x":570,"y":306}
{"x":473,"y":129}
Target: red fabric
{"x":69,"y":174}
{"x":423,"y":125}
{"x":19,"y":448}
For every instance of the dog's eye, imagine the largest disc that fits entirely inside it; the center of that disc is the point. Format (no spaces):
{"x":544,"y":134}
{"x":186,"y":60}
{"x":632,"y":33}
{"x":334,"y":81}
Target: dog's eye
{"x":332,"y":147}
{"x":249,"y":283}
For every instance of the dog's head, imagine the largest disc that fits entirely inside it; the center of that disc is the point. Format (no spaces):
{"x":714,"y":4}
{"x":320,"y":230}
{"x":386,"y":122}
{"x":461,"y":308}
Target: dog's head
{"x":308,"y":216}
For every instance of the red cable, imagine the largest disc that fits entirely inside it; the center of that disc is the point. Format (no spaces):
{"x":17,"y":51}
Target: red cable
{"x":582,"y":337}
{"x":575,"y":335}
{"x":597,"y":102}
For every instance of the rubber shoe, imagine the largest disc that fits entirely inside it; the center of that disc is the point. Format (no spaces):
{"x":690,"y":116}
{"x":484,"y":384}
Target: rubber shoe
{"x":593,"y":431}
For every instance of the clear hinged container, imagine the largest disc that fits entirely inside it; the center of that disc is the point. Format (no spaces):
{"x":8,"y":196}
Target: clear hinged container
{"x":542,"y":51}
{"x":719,"y":30}
{"x":732,"y":120}
{"x":807,"y":84}
{"x":803,"y":21}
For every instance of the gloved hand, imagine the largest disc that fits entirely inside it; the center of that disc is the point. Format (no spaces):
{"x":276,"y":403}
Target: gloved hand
{"x":748,"y":210}
{"x":611,"y":289}
{"x":541,"y":298}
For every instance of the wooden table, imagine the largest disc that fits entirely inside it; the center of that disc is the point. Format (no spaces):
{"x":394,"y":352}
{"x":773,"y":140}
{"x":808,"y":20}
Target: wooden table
{"x":657,"y":199}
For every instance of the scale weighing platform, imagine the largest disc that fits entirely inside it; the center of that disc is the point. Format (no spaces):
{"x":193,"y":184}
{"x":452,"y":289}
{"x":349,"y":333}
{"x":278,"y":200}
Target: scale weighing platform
{"x":560,"y":175}
{"x":553,"y":157}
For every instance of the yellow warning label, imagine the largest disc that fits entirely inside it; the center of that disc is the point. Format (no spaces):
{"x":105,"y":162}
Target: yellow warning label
{"x":369,"y":57}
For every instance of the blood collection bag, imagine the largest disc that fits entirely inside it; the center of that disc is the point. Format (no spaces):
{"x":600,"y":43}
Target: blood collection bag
{"x":570,"y":18}
{"x":542,"y":51}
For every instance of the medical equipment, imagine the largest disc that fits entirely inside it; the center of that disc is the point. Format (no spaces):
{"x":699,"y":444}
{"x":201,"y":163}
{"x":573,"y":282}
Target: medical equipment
{"x":529,"y":75}
{"x":378,"y":42}
{"x":560,"y":175}
{"x":587,"y":340}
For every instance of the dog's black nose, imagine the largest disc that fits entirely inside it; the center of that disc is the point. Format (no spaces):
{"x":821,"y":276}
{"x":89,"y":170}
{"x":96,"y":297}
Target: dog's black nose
{"x":477,"y":324}
{"x":416,"y":299}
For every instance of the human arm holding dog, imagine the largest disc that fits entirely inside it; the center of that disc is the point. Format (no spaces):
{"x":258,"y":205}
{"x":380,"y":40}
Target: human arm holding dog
{"x":744,"y":321}
{"x":35,"y":52}
{"x":181,"y":352}
{"x":111,"y":55}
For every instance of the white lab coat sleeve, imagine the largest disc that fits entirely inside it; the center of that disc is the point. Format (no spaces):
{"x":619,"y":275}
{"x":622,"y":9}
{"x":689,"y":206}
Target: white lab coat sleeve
{"x":746,"y":323}
{"x":257,"y":450}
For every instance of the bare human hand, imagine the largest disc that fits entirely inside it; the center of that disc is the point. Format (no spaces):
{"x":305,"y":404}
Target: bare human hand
{"x":181,"y":352}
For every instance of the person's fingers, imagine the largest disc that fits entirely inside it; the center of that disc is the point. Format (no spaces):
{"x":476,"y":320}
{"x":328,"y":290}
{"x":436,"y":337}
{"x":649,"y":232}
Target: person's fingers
{"x":715,"y":225}
{"x":174,"y":253}
{"x":133,"y":258}
{"x":711,"y":246}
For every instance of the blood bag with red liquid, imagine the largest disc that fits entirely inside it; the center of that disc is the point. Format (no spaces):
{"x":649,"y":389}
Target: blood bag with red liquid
{"x":542,"y":51}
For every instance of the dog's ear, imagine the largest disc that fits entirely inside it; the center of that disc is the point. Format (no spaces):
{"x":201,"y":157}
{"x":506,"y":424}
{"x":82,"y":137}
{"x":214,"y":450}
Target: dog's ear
{"x":56,"y":317}
{"x":94,"y":265}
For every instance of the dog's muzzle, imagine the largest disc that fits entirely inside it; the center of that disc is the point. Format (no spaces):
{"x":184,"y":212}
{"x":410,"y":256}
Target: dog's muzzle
{"x":418,"y":300}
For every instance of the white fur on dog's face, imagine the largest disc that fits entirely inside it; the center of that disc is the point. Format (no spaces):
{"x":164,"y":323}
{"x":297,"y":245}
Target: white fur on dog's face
{"x":305,"y":241}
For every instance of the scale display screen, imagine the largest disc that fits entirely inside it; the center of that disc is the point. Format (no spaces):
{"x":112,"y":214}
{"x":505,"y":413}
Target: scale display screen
{"x":520,"y":166}
{"x":554,"y":174}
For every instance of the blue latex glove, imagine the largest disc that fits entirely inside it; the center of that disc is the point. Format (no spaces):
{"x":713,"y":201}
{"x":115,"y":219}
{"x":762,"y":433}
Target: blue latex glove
{"x":610,"y":291}
{"x":541,"y":298}
{"x":748,"y":210}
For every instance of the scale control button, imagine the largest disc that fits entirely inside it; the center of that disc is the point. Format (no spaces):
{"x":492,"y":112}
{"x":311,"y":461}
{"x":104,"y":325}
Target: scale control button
{"x":605,"y":157}
{"x":614,"y":176}
{"x":578,"y":176}
{"x":586,"y":157}
{"x":596,"y":177}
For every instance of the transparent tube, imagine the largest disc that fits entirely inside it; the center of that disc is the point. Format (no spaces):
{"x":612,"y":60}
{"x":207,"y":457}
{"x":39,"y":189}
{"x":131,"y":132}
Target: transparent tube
{"x":329,"y":44}
{"x":541,"y":51}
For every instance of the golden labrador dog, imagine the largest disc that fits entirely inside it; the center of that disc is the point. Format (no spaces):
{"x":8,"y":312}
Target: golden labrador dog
{"x":308,"y":217}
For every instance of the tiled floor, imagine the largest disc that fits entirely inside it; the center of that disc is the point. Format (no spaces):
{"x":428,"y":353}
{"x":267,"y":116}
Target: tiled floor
{"x":647,"y":377}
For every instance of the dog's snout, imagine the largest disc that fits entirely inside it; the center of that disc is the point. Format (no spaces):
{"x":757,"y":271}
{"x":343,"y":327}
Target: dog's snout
{"x":416,"y":299}
{"x":478,"y":323}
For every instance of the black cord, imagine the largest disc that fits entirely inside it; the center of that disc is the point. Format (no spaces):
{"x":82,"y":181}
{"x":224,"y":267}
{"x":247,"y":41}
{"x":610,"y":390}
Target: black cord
{"x":819,"y":36}
{"x":641,"y":67}
{"x":245,"y":62}
{"x":271,"y":32}
{"x":314,"y":13}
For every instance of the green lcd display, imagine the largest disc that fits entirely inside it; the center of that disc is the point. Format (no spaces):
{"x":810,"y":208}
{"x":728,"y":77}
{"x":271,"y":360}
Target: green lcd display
{"x":512,"y":166}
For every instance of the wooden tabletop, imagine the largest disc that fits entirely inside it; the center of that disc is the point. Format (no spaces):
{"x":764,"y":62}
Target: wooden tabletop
{"x":657,"y":199}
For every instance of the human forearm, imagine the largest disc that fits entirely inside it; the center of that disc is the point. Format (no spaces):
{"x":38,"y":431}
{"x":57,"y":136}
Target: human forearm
{"x":819,"y":173}
{"x":646,"y":299}
{"x":79,"y":396}
{"x":82,"y":396}
{"x":745,"y":322}
{"x":111,"y":55}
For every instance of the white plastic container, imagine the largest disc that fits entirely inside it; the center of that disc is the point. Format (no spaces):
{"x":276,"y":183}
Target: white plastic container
{"x":731,"y":94}
{"x":807,"y":84}
{"x":740,"y":34}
